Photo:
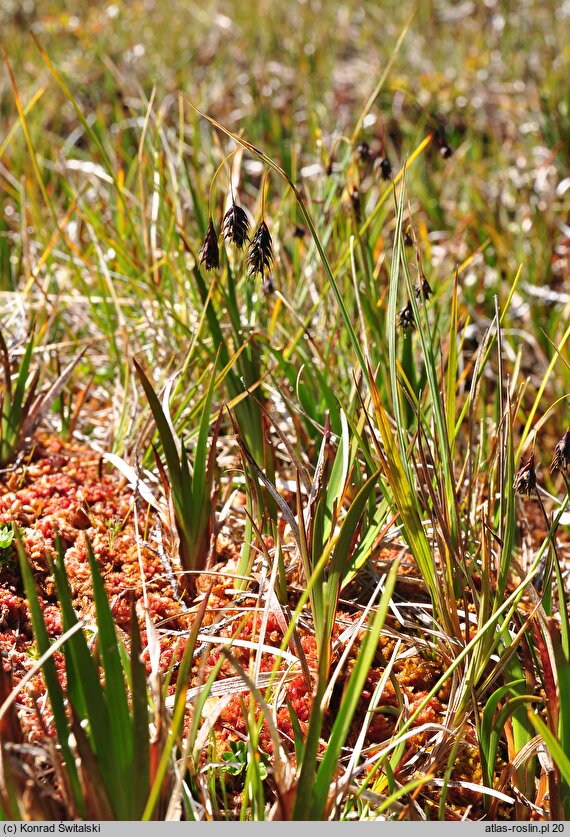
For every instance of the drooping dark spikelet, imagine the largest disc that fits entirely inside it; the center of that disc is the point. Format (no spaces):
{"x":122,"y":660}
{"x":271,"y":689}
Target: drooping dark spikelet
{"x":210,"y":253}
{"x":561,"y":458}
{"x":235,"y":226}
{"x":385,"y":167}
{"x":444,"y":148}
{"x":260,"y":251}
{"x":423,"y":289}
{"x":356,"y":204}
{"x":406,"y":318}
{"x":363,"y":151}
{"x":525,"y":478}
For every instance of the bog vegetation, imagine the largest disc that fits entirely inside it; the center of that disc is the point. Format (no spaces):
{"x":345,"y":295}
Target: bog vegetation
{"x":284,"y":436}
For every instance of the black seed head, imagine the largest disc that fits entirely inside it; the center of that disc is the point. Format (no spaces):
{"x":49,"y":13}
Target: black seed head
{"x":444,"y":149}
{"x":210,"y":254}
{"x":363,"y":151}
{"x":525,"y":478}
{"x":423,"y":289}
{"x":406,"y":318}
{"x":561,"y":458}
{"x":235,"y":226}
{"x":385,"y":167}
{"x":299,"y":231}
{"x":355,"y":200}
{"x":260,"y":254}
{"x":408,"y":238}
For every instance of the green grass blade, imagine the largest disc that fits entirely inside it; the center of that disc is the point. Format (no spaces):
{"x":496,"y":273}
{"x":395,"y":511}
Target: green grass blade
{"x":351,"y":697}
{"x":91,"y":704}
{"x":451,"y":372}
{"x":391,"y":320}
{"x":54,"y":690}
{"x":342,"y":554}
{"x":563,"y":677}
{"x":178,"y":717}
{"x":200,"y":502}
{"x":488,"y":752}
{"x":140,"y":723}
{"x":337,"y":479}
{"x":561,"y":758}
{"x":405,"y":500}
{"x":167,"y":439}
{"x":298,"y":737}
{"x":120,"y":729}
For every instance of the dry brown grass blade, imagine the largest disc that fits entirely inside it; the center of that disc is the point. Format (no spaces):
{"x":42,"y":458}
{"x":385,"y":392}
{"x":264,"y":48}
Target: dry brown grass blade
{"x":10,"y":728}
{"x":43,"y":403}
{"x":285,"y":510}
{"x":94,"y":793}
